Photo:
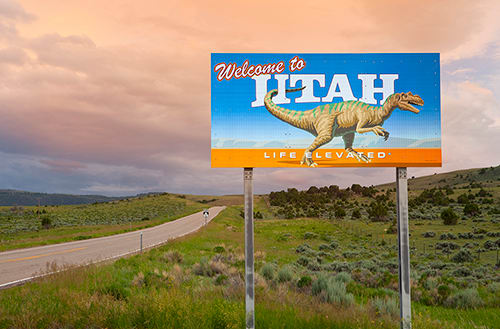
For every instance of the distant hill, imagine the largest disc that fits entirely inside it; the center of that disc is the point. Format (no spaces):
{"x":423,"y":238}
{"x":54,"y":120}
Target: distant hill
{"x":23,"y":198}
{"x":487,"y":177}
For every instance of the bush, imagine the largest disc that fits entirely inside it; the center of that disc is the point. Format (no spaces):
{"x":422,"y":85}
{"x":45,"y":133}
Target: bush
{"x":304,"y":281}
{"x":429,"y":234}
{"x":303,"y":260}
{"x":343,"y":277}
{"x":221,"y":279}
{"x":336,"y":294}
{"x":203,"y":268}
{"x":447,"y":236}
{"x":386,"y":306}
{"x":303,"y":248}
{"x":267,"y":271}
{"x":340,"y":212}
{"x":356,"y":213}
{"x":310,"y":235}
{"x":285,"y":274}
{"x":173,"y":256}
{"x":449,"y":217}
{"x":462,"y":272}
{"x":46,"y":222}
{"x":219,"y":249}
{"x":377,"y":211}
{"x":319,"y":285}
{"x":325,"y":247}
{"x":465,"y":299}
{"x":462,"y":256}
{"x":471,"y":209}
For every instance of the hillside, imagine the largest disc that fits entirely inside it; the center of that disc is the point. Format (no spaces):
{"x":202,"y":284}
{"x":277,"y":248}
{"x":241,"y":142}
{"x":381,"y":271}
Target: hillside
{"x":487,"y":177}
{"x":24,"y":198}
{"x":24,"y":226}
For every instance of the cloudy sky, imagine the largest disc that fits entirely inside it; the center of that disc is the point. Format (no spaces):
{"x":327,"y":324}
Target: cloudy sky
{"x":113,"y":97}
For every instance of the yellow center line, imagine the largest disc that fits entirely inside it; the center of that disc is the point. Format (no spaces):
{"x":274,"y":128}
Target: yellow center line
{"x":42,"y":255}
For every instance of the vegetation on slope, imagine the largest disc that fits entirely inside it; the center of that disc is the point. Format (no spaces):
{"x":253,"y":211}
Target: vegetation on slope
{"x":29,"y":226}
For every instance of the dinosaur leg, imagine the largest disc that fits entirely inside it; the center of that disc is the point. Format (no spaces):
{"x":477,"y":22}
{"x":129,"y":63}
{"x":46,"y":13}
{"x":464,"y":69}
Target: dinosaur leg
{"x":321,"y":139}
{"x":348,"y":141}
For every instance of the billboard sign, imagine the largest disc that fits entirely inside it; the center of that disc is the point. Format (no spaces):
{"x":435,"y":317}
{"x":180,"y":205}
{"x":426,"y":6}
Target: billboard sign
{"x":325,"y":110}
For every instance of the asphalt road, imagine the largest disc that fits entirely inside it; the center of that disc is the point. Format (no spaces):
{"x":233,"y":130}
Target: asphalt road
{"x":17,"y":266}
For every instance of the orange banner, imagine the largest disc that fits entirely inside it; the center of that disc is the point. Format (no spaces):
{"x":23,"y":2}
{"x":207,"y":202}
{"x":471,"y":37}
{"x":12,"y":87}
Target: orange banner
{"x":254,"y":158}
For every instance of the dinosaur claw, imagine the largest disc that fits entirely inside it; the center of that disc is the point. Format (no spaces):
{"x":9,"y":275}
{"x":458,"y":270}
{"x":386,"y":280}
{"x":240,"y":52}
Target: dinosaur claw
{"x":386,"y":135}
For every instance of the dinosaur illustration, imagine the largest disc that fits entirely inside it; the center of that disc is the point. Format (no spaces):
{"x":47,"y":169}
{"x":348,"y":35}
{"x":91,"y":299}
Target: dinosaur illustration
{"x":341,"y":119}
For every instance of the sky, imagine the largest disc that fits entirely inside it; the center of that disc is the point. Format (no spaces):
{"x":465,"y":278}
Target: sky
{"x":113,"y":97}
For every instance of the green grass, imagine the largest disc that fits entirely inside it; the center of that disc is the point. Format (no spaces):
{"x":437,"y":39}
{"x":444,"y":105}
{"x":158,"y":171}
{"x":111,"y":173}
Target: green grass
{"x":149,"y":291}
{"x":20,"y":227}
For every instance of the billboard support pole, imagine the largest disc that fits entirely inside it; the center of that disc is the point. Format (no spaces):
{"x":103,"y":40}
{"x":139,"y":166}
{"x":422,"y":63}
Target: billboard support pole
{"x":249,"y":257}
{"x":403,"y":247}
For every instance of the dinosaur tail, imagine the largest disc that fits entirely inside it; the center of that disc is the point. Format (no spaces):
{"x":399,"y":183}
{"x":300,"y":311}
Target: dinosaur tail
{"x":289,"y":116}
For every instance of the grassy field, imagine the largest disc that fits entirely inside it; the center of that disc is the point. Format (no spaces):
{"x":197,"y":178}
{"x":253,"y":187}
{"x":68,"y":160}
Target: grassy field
{"x":197,"y":282}
{"x":320,"y":268}
{"x":22,"y":227}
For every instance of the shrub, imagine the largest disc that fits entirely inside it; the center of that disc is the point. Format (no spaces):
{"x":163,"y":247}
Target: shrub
{"x":444,"y":292}
{"x":219,"y":249}
{"x":471,"y":209}
{"x":429,"y":234}
{"x":386,"y":306}
{"x":173,"y":256}
{"x":310,"y":235}
{"x":356,"y":213}
{"x":303,"y":260}
{"x":203,"y":268}
{"x":462,"y":256}
{"x":449,"y":217}
{"x":285,"y":274}
{"x":325,"y":247}
{"x":221,"y":279}
{"x":343,"y":277}
{"x":46,"y":222}
{"x":304,"y":281}
{"x":377,"y":211}
{"x":267,"y":271}
{"x":462,"y":272}
{"x":336,"y":293}
{"x":319,"y":285}
{"x":303,"y":248}
{"x":447,"y":236}
{"x":465,"y":299}
{"x":340,"y":212}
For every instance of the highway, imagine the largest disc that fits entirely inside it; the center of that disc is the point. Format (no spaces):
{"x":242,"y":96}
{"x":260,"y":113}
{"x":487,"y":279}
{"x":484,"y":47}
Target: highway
{"x":18,"y":266}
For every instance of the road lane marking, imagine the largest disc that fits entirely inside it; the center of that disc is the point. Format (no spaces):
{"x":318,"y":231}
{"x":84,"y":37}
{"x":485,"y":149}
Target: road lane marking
{"x":42,"y":255}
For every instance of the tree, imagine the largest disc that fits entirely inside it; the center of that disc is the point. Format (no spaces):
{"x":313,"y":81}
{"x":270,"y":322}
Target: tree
{"x":449,"y":217}
{"x":471,"y":209}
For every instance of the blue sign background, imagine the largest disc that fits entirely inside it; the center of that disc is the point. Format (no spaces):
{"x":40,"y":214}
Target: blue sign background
{"x":235,"y":122}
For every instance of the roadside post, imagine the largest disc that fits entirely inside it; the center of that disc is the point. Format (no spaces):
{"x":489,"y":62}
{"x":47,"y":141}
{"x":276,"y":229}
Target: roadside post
{"x":249,"y":256}
{"x":403,"y":248}
{"x":141,"y":242}
{"x":292,"y":110}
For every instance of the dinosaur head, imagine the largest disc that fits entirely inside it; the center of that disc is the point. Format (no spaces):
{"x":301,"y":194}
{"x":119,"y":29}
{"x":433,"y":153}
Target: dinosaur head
{"x":405,"y":100}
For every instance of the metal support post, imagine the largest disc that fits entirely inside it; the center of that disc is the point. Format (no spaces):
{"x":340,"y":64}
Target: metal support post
{"x":249,"y":260}
{"x":403,"y":244}
{"x":141,"y":242}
